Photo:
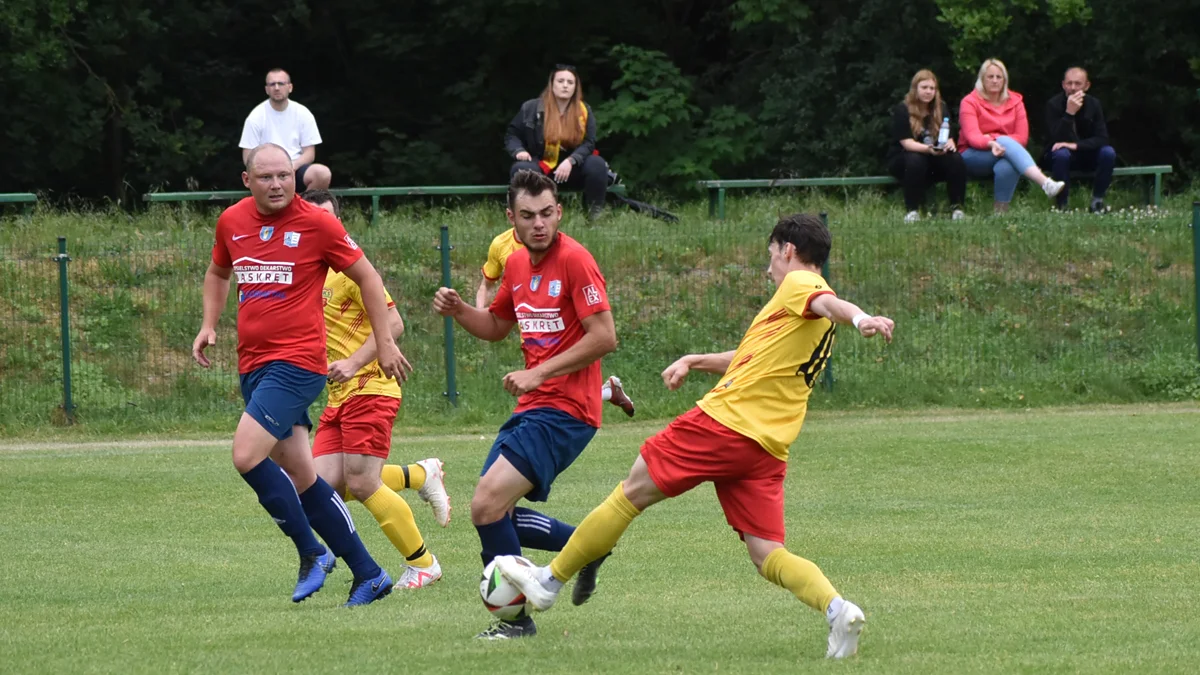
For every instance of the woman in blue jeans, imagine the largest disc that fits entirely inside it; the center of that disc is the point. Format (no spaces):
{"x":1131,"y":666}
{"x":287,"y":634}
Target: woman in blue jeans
{"x":993,"y":134}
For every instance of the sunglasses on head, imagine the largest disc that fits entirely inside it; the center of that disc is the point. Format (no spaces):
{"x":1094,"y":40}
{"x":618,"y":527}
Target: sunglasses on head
{"x":563,"y":66}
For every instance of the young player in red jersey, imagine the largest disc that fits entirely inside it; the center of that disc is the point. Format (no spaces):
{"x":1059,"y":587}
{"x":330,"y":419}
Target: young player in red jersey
{"x":738,"y":435}
{"x":554,"y":291}
{"x":281,"y":248}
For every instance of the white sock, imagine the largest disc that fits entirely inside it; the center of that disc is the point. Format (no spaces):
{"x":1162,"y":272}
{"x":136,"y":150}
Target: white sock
{"x":548,"y":581}
{"x":835,"y":606}
{"x":606,"y":392}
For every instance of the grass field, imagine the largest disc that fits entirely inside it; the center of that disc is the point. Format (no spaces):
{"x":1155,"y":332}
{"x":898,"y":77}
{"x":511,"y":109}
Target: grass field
{"x":1053,"y":540}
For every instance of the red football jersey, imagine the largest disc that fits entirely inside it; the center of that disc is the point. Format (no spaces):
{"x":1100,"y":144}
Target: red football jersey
{"x":549,"y":301}
{"x":280,"y":262}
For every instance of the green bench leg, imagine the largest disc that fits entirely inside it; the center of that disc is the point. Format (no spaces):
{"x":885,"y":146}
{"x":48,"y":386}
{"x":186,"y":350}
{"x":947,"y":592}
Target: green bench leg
{"x":721,"y":203}
{"x":1157,"y":190}
{"x":374,"y":209}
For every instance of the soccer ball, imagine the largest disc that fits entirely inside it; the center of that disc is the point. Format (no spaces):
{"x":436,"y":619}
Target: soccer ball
{"x":503,"y":600}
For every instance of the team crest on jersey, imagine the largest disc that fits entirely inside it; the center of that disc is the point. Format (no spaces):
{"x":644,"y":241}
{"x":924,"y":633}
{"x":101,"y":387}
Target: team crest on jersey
{"x":266,"y":232}
{"x":291,"y":239}
{"x":535,"y":282}
{"x":555,"y":288}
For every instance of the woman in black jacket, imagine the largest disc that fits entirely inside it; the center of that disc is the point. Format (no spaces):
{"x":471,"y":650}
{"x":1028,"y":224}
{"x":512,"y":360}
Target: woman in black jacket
{"x":915,"y":156}
{"x":556,"y":135}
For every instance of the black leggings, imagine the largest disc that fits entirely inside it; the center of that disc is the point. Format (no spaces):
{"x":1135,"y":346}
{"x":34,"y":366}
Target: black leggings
{"x":592,"y":177}
{"x":917,"y":171}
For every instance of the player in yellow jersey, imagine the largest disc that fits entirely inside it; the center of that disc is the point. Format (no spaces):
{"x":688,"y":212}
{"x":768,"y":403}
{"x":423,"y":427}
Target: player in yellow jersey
{"x":737,"y":436}
{"x":354,"y":435}
{"x":493,"y":268}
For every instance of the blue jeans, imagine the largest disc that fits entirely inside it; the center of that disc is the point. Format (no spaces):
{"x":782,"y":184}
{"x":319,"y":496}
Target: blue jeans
{"x":1008,"y":169}
{"x":1100,"y":161}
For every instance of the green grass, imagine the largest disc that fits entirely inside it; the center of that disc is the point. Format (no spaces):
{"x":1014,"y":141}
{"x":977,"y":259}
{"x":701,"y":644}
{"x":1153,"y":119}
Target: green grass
{"x":1054,"y":540}
{"x":1030,"y":309}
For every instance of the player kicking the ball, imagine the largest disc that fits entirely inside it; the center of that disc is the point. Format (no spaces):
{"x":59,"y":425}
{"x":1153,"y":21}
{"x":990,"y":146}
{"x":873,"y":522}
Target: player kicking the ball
{"x":554,"y":291}
{"x":354,"y":434}
{"x":738,"y":435}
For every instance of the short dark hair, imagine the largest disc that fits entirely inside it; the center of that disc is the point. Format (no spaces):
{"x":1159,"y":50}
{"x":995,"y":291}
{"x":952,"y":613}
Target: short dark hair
{"x":807,"y":232}
{"x":532,"y":183}
{"x":320,"y":197}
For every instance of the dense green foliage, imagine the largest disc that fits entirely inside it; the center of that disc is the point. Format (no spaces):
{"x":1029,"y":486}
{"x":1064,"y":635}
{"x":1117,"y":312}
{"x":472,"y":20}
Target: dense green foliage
{"x":114,"y":98}
{"x":1014,"y":542}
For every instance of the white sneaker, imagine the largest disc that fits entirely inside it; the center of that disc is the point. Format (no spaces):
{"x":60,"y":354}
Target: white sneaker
{"x":434,"y":490}
{"x":618,"y":396}
{"x":957,"y":215}
{"x":912,"y":217}
{"x":419,"y":577}
{"x":525,"y":577}
{"x":844,"y":630}
{"x":1052,"y":187}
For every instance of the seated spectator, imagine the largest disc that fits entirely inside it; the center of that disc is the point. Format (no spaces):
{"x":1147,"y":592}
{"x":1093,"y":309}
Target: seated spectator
{"x":290,"y":126}
{"x":994,"y":132}
{"x":556,"y":135}
{"x":915,"y":157}
{"x":1078,"y":138}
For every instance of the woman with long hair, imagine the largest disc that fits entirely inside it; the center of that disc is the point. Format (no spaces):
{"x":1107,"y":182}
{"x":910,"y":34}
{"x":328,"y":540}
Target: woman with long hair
{"x":916,"y":157}
{"x":994,"y":133}
{"x":556,"y":135}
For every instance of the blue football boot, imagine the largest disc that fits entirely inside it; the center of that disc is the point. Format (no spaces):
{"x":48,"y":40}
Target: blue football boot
{"x":313,"y":570}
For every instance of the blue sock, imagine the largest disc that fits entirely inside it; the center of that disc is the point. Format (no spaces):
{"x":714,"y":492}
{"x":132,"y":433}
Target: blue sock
{"x":331,"y":519}
{"x":498,"y":538}
{"x":536,"y":530}
{"x":278,"y":496}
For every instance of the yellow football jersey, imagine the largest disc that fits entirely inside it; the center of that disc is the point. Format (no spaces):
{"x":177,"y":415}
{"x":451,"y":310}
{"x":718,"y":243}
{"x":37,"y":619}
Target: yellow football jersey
{"x":502,"y":246}
{"x":346,"y":329}
{"x":764,"y":393}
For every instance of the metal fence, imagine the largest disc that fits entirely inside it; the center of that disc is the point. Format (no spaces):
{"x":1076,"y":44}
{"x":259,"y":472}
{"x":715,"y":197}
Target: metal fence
{"x":1024,"y":311}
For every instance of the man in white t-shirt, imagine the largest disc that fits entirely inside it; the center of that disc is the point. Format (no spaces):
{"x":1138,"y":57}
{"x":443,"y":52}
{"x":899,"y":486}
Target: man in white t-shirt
{"x":289,"y":125}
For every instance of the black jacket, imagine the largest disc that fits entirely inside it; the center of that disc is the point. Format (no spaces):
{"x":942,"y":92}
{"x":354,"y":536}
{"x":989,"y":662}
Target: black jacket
{"x":527,"y":132}
{"x":901,"y":129}
{"x":1086,"y":128}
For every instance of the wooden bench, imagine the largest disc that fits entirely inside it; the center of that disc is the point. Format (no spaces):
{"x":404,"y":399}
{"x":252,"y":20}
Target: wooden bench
{"x":716,"y":188}
{"x":373,"y":192}
{"x":26,"y":199}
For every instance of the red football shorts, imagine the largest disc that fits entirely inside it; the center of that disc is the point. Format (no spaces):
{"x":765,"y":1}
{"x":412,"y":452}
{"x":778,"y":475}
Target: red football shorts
{"x":696,"y":448}
{"x":360,"y":426}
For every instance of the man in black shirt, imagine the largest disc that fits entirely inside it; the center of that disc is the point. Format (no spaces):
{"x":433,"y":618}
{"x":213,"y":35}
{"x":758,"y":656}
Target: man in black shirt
{"x":1078,"y":138}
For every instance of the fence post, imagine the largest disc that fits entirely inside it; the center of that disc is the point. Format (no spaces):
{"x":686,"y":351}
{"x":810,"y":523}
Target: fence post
{"x":1196,"y":266}
{"x":827,"y":376}
{"x":448,"y":323}
{"x":65,"y":329}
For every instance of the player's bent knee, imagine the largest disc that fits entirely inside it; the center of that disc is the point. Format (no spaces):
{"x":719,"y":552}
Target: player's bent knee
{"x":362,"y":486}
{"x":487,"y":508}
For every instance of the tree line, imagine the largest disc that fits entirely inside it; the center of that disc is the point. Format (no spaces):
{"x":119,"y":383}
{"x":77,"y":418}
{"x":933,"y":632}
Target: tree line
{"x":113,"y":98}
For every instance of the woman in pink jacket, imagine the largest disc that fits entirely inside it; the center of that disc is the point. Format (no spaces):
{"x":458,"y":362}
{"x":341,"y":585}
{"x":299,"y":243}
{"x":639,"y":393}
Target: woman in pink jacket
{"x":993,"y":134}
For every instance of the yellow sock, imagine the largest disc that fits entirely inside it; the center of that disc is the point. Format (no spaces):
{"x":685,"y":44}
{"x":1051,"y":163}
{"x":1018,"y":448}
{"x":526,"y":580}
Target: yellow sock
{"x":802,"y":577}
{"x":400,"y":478}
{"x":596,"y":535}
{"x":396,"y":521}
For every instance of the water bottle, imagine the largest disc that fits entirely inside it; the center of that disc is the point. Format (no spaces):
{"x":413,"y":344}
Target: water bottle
{"x":944,"y":133}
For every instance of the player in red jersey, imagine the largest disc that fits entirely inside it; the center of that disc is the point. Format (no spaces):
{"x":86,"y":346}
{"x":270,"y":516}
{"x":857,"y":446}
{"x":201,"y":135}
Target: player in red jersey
{"x":554,"y":291}
{"x":281,"y":248}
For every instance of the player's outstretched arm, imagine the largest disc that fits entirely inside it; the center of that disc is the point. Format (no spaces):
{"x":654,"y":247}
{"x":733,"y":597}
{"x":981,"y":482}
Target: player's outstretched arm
{"x":677,"y":372}
{"x":839,"y":311}
{"x":478,"y":322}
{"x":343,"y":370}
{"x":391,"y":361}
{"x":216,"y":291}
{"x":600,"y":338}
